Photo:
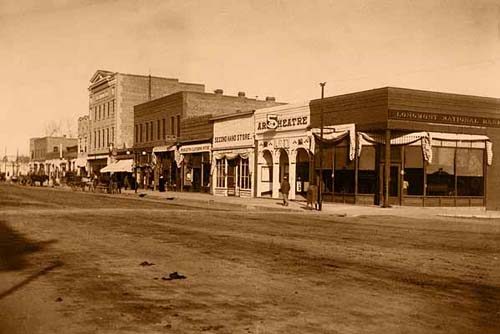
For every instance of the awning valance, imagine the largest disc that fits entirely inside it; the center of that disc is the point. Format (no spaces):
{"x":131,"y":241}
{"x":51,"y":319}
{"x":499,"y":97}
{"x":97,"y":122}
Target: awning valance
{"x":164,"y":148}
{"x":335,"y":134}
{"x":125,"y":165}
{"x":81,"y":162}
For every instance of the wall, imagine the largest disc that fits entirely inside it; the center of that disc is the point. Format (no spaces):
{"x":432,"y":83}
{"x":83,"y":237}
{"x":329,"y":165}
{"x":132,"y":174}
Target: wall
{"x":134,"y":90}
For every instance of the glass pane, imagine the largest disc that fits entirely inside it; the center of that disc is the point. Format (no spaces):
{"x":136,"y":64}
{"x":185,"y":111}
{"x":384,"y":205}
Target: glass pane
{"x":442,"y":160}
{"x":367,"y":158}
{"x":342,"y":159}
{"x":413,"y":157}
{"x":469,"y":162}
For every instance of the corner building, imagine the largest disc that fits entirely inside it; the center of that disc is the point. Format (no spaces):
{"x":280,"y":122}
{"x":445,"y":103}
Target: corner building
{"x":395,"y":146}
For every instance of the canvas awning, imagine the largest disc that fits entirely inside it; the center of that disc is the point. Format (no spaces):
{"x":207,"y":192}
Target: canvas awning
{"x":125,"y":165}
{"x":164,"y":148}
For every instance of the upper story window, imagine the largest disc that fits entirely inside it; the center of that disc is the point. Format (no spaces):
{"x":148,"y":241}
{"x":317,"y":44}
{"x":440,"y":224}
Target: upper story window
{"x":56,"y":149}
{"x":178,"y":125}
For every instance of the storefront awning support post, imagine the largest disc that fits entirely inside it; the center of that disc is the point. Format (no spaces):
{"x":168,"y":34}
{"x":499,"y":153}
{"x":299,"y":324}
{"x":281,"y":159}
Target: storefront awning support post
{"x":387,"y":167}
{"x":320,"y":185}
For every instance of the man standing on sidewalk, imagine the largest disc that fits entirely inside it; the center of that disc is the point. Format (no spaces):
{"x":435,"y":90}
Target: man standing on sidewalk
{"x":285,"y":189}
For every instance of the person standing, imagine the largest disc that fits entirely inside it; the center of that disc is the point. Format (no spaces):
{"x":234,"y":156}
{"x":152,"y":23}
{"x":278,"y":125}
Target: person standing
{"x":285,"y":190}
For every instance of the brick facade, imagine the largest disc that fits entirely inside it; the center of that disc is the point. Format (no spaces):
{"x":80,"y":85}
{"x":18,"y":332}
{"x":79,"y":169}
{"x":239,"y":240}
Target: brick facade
{"x":45,"y":148}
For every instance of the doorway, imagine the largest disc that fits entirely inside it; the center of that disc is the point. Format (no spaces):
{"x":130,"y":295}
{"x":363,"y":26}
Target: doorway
{"x":231,"y":177}
{"x":394,"y":183}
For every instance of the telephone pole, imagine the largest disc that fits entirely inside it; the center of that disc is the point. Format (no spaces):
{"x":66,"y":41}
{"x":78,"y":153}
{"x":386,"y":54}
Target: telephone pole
{"x":320,"y":185}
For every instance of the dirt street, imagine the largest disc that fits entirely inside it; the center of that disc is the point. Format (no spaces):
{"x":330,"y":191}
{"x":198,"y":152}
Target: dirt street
{"x":70,"y":262}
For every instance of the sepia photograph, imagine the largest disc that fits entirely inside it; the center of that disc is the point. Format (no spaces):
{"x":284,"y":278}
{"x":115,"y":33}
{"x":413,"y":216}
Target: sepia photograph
{"x":249,"y":167}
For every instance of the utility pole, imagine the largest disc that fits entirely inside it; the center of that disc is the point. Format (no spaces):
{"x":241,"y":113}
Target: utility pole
{"x":320,"y":185}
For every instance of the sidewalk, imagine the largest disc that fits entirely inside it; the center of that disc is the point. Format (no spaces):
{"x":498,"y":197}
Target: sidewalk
{"x":338,"y":209}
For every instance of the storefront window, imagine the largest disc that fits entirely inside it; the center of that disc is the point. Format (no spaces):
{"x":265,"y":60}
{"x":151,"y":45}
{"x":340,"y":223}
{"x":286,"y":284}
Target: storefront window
{"x":244,"y":174}
{"x":367,"y":180}
{"x":441,"y":173}
{"x":470,"y":180}
{"x":220,"y":167}
{"x":344,"y":171}
{"x":413,"y":182}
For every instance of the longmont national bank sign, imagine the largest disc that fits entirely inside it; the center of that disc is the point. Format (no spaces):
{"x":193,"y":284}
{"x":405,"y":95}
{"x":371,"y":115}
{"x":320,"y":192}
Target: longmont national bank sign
{"x":444,"y":118}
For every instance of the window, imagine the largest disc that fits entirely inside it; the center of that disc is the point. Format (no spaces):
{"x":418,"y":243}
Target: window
{"x":413,"y":170}
{"x":99,"y":108}
{"x":221,"y":169}
{"x":99,"y":138}
{"x":158,"y":134}
{"x":367,"y":179}
{"x":136,"y":133}
{"x":147,"y":132}
{"x":113,"y":135}
{"x":107,"y":137}
{"x":109,"y":109}
{"x":344,"y":171}
{"x":469,"y":170}
{"x":95,"y":139}
{"x":95,"y":113}
{"x":178,"y":125}
{"x":172,"y":125}
{"x":56,"y":149}
{"x":140,"y":133}
{"x":244,"y":174}
{"x":441,"y":172}
{"x":151,"y":136}
{"x":163,"y":133}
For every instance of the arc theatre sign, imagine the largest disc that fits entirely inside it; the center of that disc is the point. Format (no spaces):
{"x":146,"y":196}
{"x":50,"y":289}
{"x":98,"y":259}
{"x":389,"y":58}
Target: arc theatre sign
{"x":274,"y":122}
{"x":444,"y":118}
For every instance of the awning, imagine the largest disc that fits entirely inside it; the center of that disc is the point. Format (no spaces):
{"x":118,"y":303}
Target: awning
{"x":164,"y":148}
{"x":125,"y":165}
{"x":81,"y":162}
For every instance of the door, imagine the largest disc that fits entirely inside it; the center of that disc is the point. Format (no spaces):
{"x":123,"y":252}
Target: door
{"x":231,"y":177}
{"x":394,"y":184}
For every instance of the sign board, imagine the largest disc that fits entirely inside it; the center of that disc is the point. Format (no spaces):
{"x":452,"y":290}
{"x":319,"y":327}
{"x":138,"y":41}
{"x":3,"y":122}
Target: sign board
{"x":444,"y":118}
{"x":282,"y":118}
{"x":196,"y":148}
{"x":233,"y":132}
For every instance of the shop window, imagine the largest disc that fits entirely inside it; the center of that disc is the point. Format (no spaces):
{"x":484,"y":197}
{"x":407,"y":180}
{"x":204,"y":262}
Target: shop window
{"x":220,"y":167}
{"x":244,"y":174}
{"x":344,"y":171}
{"x":441,"y":172}
{"x":469,"y":169}
{"x":367,"y":179}
{"x":413,"y":182}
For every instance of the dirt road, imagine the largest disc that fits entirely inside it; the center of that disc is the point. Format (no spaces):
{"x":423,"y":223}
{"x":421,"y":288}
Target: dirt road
{"x":70,"y":263}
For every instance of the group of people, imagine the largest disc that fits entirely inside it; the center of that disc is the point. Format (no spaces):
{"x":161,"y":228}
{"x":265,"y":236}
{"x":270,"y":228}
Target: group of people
{"x":312,"y":194}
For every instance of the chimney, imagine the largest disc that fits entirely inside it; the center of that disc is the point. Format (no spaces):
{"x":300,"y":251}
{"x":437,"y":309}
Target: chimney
{"x":270,"y":99}
{"x":241,"y":94}
{"x":219,"y":91}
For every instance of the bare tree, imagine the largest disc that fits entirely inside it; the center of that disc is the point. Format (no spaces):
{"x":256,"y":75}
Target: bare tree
{"x":53,"y":128}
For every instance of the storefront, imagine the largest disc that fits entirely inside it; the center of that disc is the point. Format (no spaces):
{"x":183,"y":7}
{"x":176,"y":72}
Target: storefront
{"x":284,"y":148}
{"x":194,"y":164}
{"x":408,"y":147}
{"x":233,"y":155}
{"x":166,"y":167}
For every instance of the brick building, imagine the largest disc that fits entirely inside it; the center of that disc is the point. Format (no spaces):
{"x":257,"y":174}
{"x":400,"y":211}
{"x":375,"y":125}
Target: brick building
{"x":441,"y":149}
{"x":112,"y":97}
{"x":52,"y":155}
{"x":182,"y":119}
{"x":83,"y":144}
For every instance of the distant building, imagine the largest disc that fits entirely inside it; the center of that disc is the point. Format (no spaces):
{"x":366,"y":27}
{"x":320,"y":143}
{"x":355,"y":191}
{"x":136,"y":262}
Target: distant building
{"x":182,"y":119}
{"x":51,"y":155}
{"x":112,"y":97}
{"x":13,"y":166}
{"x":83,"y":144}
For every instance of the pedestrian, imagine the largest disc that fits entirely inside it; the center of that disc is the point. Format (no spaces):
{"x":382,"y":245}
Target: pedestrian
{"x":285,"y":190}
{"x":312,"y":197}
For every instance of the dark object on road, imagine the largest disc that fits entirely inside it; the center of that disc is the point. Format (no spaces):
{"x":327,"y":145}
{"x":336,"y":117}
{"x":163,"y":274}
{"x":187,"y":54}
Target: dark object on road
{"x":146,"y":264}
{"x":142,"y":195}
{"x":170,"y":198}
{"x":59,"y":299}
{"x":172,"y":276}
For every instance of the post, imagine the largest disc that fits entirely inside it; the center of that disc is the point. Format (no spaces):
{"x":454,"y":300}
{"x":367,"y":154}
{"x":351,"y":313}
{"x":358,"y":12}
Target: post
{"x":387,"y":167}
{"x":320,"y":185}
{"x":135,"y":172}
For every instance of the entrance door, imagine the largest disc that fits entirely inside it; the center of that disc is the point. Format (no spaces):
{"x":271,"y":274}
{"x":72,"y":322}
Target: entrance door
{"x":394,"y":184}
{"x":231,"y":177}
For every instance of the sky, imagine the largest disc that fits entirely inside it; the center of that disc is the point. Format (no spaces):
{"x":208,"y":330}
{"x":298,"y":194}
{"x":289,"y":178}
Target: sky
{"x":50,"y":49}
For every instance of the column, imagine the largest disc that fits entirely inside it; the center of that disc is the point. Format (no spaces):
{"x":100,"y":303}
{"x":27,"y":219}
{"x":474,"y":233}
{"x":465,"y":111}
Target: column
{"x":276,"y":174}
{"x":387,"y":167}
{"x":292,"y":172}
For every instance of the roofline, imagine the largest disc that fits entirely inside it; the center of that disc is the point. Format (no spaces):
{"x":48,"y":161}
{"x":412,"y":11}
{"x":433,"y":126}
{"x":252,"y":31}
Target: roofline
{"x":233,"y":115}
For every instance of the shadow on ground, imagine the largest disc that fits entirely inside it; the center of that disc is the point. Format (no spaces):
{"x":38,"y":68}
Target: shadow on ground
{"x":14,"y":248}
